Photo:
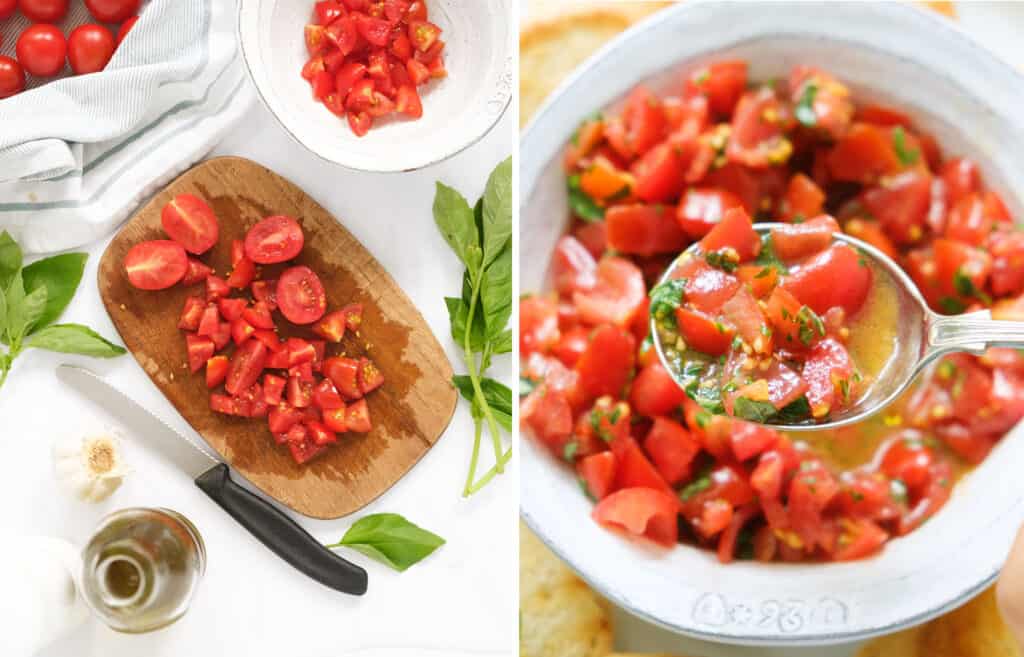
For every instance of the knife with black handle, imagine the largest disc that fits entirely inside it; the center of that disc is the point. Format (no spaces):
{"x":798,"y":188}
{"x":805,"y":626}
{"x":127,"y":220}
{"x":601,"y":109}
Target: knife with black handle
{"x":264,"y":521}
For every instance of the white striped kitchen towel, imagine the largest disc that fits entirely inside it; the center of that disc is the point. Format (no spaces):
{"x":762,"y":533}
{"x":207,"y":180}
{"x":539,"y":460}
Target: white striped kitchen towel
{"x":77,"y":155}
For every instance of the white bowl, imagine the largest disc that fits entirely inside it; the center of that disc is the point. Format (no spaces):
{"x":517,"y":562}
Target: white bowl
{"x":457,"y":110}
{"x":968,"y":99}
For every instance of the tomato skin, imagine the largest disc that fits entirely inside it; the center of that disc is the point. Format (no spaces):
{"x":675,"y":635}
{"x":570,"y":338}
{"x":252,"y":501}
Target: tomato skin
{"x":191,"y":314}
{"x":701,"y":209}
{"x":655,"y":392}
{"x":155,"y":265}
{"x":641,"y":512}
{"x":1007,"y":250}
{"x":643,"y":229}
{"x":672,"y":449}
{"x":274,"y":239}
{"x":827,"y":363}
{"x":189,"y":221}
{"x":901,"y":205}
{"x":616,"y":297}
{"x":722,"y":82}
{"x":703,"y":333}
{"x":216,"y":371}
{"x":755,"y":141}
{"x":860,"y":539}
{"x":344,"y":374}
{"x":605,"y":366}
{"x":814,"y":283}
{"x":968,"y":221}
{"x":598,"y":473}
{"x":574,"y":268}
{"x":44,"y":11}
{"x":112,"y":11}
{"x":12,"y":77}
{"x":243,"y":272}
{"x":799,"y":240}
{"x":246,"y":366}
{"x":7,"y":8}
{"x":42,"y":50}
{"x":300,"y":295}
{"x":538,"y":324}
{"x":547,"y":413}
{"x":641,"y":126}
{"x":660,"y":173}
{"x":200,"y":349}
{"x":735,"y":231}
{"x":864,"y":154}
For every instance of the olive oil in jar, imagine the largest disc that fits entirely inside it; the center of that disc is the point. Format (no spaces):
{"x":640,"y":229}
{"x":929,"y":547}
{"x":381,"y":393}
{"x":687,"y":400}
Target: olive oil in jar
{"x":141,"y":569}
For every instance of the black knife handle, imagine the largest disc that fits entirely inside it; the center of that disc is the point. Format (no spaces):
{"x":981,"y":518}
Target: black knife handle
{"x":281,"y":534}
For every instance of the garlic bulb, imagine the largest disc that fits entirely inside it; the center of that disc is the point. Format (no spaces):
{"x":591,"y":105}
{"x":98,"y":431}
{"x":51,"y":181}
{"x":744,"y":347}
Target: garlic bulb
{"x":90,"y":468}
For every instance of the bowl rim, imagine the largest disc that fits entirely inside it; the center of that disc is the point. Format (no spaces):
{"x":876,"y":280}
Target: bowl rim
{"x":416,"y":165}
{"x":532,"y":172}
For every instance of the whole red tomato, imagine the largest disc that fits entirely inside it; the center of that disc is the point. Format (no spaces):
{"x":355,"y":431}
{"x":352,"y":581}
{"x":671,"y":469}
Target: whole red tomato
{"x":113,"y":11}
{"x":12,"y":77}
{"x":44,"y":11}
{"x":7,"y":8}
{"x":42,"y":50}
{"x":126,"y":27}
{"x":90,"y":47}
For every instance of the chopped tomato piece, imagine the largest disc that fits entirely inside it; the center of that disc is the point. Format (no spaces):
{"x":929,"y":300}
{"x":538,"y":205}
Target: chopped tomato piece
{"x":703,"y":332}
{"x":616,"y":296}
{"x":200,"y":349}
{"x":358,"y":417}
{"x":196,"y":272}
{"x":643,"y":229}
{"x":344,"y":373}
{"x":814,"y":283}
{"x":608,"y":361}
{"x":598,"y":474}
{"x":800,"y":240}
{"x":672,"y":449}
{"x":736,"y":232}
{"x":191,"y":314}
{"x":216,"y":371}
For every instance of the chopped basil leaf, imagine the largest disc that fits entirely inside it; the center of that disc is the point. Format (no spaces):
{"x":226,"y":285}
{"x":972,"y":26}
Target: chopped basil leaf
{"x":586,"y":489}
{"x":899,"y":143}
{"x":720,"y":260}
{"x":966,"y":287}
{"x":804,"y":110}
{"x":569,"y":451}
{"x":952,"y":305}
{"x":755,"y":411}
{"x":768,"y":258}
{"x":764,"y":272}
{"x":665,"y":298}
{"x":696,"y":486}
{"x":527,"y":385}
{"x":582,"y":205}
{"x":795,"y":411}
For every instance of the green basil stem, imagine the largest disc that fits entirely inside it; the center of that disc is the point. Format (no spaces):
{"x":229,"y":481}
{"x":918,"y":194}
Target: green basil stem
{"x":478,"y":428}
{"x":474,"y":377}
{"x":505,"y":458}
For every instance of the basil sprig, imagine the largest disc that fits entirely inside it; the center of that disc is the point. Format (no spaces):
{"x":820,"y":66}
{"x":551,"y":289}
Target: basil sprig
{"x":481,"y":237}
{"x":33,"y":297}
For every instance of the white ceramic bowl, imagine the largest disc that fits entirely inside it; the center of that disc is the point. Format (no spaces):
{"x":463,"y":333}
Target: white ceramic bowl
{"x":970,"y":101}
{"x":457,"y":110}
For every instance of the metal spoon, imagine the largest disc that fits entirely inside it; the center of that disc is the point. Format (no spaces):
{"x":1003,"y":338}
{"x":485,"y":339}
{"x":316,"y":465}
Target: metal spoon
{"x":922,"y":336}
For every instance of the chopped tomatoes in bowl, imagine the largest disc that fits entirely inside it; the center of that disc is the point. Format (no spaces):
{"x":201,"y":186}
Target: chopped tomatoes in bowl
{"x":763,"y":326}
{"x":262,"y":339}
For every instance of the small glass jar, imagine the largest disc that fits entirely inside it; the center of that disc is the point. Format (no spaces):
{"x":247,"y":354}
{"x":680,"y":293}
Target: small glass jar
{"x":141,"y":569}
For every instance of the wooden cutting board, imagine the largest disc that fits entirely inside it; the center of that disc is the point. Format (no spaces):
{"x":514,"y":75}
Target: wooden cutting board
{"x":409,"y":412}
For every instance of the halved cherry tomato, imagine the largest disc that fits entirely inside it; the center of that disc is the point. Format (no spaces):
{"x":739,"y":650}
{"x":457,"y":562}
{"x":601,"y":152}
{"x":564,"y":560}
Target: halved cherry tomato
{"x":300,"y":295}
{"x":189,"y":221}
{"x":155,"y":265}
{"x":357,"y":417}
{"x":246,"y":366}
{"x":274,"y":239}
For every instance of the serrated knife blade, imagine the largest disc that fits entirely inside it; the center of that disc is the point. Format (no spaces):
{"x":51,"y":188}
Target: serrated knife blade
{"x":266,"y":522}
{"x":176,"y":447}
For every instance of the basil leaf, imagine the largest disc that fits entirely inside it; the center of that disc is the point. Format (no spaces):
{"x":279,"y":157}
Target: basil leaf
{"x":768,"y":257}
{"x":582,"y":205}
{"x":497,"y":215}
{"x":952,"y":305}
{"x":899,"y":144}
{"x":666,"y":297}
{"x":74,"y":339}
{"x":10,"y":259}
{"x":755,"y":411}
{"x":696,"y":486}
{"x":59,"y":275}
{"x":390,"y":539}
{"x":496,"y":293}
{"x":503,"y":343}
{"x":15,"y":319}
{"x":804,"y":110}
{"x":527,"y":385}
{"x":454,"y":218}
{"x":795,"y":411}
{"x":709,"y":397}
{"x":966,"y":287}
{"x":497,"y":395}
{"x":34,"y":306}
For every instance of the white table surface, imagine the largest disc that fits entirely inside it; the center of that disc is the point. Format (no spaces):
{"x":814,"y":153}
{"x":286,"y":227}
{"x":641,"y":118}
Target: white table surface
{"x":460,"y":601}
{"x":998,"y":26}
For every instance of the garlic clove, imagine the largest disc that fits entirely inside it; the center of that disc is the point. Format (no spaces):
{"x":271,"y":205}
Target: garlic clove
{"x":90,"y":468}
